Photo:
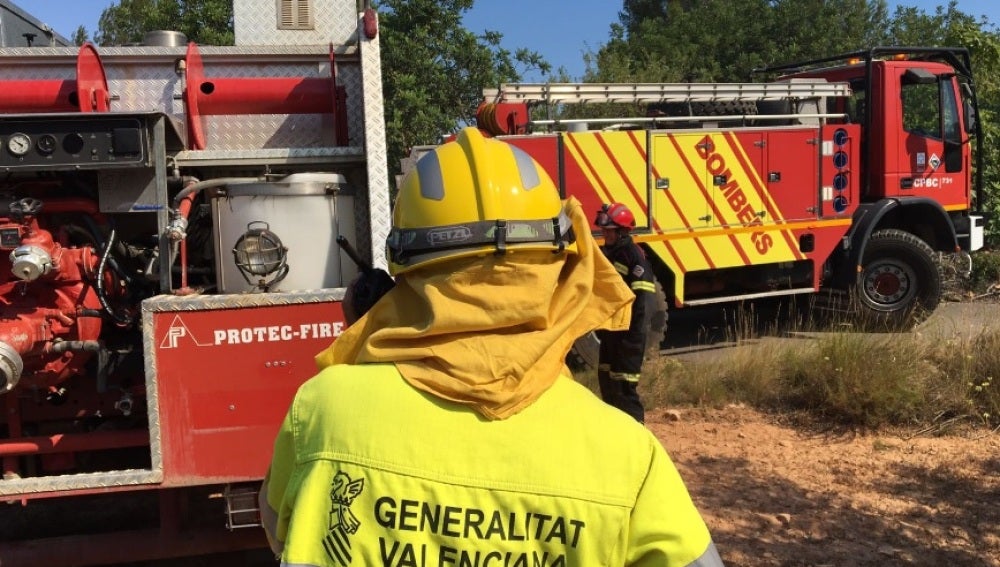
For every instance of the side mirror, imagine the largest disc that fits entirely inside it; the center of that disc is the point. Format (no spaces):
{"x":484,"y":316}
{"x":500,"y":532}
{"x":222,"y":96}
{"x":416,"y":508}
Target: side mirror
{"x":968,"y":110}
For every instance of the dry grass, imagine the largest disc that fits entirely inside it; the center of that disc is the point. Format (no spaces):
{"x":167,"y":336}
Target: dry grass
{"x":837,"y":376}
{"x":845,"y":379}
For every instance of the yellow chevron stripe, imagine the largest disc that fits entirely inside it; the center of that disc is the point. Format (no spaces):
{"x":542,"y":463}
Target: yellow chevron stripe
{"x":614,"y":165}
{"x":678,"y":208}
{"x":682,"y":206}
{"x":688,"y":249}
{"x":659,"y":247}
{"x":958,"y":207}
{"x":760,"y":189}
{"x":806,"y":224}
{"x":720,"y":247}
{"x":685,"y":205}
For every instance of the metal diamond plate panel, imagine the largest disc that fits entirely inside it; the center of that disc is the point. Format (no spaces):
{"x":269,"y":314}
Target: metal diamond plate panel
{"x":152,"y":391}
{"x":47,"y":62}
{"x":273,"y":155}
{"x":378,"y":173}
{"x":34,"y":485}
{"x":165,"y":303}
{"x":257,"y":24}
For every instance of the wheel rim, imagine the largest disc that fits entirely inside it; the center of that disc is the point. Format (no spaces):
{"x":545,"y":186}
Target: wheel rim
{"x":888,"y":283}
{"x":588,"y":348}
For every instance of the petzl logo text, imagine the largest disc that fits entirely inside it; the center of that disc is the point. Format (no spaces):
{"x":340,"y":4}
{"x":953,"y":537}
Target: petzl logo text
{"x":448,"y":236}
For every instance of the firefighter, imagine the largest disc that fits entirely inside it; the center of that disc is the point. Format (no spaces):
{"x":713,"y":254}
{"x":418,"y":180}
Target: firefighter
{"x":443,"y":428}
{"x":622,"y":352}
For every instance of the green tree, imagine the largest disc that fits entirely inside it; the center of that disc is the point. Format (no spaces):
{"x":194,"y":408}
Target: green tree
{"x":434,"y":70}
{"x":635,"y":12}
{"x":207,"y":22}
{"x":666,"y":41}
{"x":80,"y":36}
{"x":724,"y":40}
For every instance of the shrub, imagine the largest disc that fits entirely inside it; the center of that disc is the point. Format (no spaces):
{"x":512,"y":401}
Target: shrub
{"x":972,"y":367}
{"x":985,"y":270}
{"x":861,"y":381}
{"x":864,"y":381}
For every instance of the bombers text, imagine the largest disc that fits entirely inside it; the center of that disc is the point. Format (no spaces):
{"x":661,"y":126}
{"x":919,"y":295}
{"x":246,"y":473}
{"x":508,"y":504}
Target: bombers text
{"x":735,"y":196}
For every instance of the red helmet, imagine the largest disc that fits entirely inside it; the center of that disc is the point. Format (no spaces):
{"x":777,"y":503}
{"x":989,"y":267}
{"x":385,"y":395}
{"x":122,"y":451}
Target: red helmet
{"x":615,"y":215}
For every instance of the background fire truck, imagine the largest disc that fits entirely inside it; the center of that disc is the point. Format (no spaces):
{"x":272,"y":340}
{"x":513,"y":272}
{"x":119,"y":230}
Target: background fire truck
{"x":168,"y":224}
{"x":845,"y":178}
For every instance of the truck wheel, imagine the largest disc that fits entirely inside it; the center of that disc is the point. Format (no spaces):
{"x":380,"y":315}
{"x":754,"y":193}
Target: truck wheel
{"x":586,"y":351}
{"x":900,"y":284}
{"x":658,"y":320}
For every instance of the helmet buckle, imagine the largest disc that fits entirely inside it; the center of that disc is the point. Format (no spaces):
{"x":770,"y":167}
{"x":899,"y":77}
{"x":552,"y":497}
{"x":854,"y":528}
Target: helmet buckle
{"x":500,"y":237}
{"x":557,"y":238}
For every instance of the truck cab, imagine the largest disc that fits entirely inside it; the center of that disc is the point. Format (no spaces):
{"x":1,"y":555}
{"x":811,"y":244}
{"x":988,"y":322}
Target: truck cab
{"x":917,"y":108}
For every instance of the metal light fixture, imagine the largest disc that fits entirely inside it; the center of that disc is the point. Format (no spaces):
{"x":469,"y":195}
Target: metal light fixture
{"x":260,"y":256}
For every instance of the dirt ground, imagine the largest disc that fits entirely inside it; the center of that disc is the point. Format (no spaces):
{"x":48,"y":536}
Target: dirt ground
{"x":774,"y":495}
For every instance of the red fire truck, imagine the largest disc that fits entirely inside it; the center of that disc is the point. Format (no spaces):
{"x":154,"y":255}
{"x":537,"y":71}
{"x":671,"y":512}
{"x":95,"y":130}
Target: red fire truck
{"x":169,"y":266}
{"x":845,"y":177}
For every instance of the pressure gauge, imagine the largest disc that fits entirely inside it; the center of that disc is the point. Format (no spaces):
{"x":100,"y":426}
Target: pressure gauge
{"x":46,"y":144}
{"x":19,"y":144}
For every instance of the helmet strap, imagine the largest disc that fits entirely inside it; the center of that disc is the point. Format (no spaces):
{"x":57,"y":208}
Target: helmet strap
{"x":405,"y":243}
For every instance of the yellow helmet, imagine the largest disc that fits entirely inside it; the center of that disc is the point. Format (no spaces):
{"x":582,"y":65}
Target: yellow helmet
{"x":475,"y":196}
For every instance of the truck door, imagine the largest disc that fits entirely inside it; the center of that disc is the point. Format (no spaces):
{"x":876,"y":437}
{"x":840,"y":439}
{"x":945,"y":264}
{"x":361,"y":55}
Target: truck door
{"x":681,"y":184}
{"x":680,"y":206}
{"x":932,"y":161}
{"x":734,"y":161}
{"x":791,"y":175}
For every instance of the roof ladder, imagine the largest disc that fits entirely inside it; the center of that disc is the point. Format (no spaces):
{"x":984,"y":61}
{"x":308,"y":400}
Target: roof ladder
{"x":569,"y":93}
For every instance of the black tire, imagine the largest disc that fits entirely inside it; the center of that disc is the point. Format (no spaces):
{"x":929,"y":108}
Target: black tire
{"x":585,"y":353}
{"x":704,"y":108}
{"x":900,"y":283}
{"x":724,"y":107}
{"x":658,"y":320}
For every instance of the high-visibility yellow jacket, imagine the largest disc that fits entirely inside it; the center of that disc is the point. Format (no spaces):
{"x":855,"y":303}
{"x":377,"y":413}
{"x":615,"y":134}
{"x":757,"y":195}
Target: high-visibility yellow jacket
{"x":368,"y":470}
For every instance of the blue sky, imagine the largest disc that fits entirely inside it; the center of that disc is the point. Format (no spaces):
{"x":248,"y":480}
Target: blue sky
{"x":561,"y":30}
